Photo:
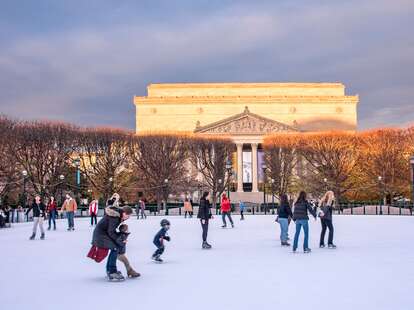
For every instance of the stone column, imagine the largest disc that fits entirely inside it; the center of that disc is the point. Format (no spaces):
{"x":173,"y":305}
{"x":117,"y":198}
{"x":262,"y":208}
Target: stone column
{"x":255,"y":188}
{"x":239,"y":167}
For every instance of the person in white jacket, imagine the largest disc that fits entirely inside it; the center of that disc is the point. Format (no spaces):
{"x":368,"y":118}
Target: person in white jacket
{"x":93,"y":211}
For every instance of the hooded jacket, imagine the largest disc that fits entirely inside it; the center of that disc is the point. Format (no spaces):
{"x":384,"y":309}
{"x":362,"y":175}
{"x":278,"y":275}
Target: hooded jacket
{"x":105,"y":234}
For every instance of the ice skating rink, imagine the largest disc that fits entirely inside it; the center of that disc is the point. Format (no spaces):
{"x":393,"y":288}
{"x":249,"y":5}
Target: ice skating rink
{"x":373,"y":267}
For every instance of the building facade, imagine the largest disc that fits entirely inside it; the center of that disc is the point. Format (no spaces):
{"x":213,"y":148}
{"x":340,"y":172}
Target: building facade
{"x":246,"y":112}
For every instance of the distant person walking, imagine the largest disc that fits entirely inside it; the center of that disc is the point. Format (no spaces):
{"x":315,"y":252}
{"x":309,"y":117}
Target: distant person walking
{"x":70,"y":207}
{"x":326,"y":205}
{"x":284,"y":217}
{"x":301,"y":218}
{"x":226,"y":211}
{"x":241,"y":207}
{"x":39,"y":214}
{"x":52,"y":212}
{"x":93,"y":211}
{"x":204,"y":215}
{"x":188,"y":208}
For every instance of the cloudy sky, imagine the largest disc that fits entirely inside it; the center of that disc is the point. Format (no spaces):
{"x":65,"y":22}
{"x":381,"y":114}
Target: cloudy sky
{"x":82,"y":61}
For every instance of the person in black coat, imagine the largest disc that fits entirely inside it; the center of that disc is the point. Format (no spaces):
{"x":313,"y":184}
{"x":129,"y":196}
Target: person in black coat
{"x":301,"y":218}
{"x":326,"y":206}
{"x":204,"y":215}
{"x":159,"y":240}
{"x":39,"y":215}
{"x":105,"y":235}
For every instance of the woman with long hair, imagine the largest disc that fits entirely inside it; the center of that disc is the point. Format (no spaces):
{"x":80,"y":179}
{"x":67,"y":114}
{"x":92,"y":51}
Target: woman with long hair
{"x":204,"y":215}
{"x":301,"y":218}
{"x":52,"y":211}
{"x":284,"y":216}
{"x":326,"y":205}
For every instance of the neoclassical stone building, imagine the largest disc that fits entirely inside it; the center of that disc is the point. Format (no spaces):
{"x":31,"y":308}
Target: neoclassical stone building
{"x":246,"y":112}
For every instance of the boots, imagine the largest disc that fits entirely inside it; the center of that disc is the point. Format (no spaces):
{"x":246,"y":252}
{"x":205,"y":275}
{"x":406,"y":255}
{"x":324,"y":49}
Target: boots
{"x":285,"y":243}
{"x":42,"y":236}
{"x":33,"y":236}
{"x":131,"y":273}
{"x":206,"y":246}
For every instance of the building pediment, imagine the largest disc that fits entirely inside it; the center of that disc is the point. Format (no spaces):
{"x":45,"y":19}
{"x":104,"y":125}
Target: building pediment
{"x":245,"y":123}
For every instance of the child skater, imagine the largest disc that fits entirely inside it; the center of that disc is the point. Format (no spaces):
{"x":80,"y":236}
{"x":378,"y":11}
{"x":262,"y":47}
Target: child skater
{"x":122,"y":239}
{"x":159,"y":240}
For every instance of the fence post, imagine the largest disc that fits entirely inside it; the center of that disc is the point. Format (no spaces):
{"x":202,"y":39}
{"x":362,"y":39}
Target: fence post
{"x":352,"y":209}
{"x":253,"y":210}
{"x":364,"y":210}
{"x":400,"y":210}
{"x":265,"y":209}
{"x":376,"y":210}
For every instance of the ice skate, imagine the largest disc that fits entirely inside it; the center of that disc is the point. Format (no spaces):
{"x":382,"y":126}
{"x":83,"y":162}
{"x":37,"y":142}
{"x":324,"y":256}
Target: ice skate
{"x":42,"y":236}
{"x":206,"y":246}
{"x":322,"y":246}
{"x":157,"y":259}
{"x":307,"y":250}
{"x":285,"y":243}
{"x":232,"y":225}
{"x":116,"y":277}
{"x":32,"y":236}
{"x":332,"y":246}
{"x":224,"y":226}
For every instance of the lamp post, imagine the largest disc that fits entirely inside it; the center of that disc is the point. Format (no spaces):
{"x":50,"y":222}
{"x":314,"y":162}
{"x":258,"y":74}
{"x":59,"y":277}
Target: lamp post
{"x":273,"y":195}
{"x":381,"y":192}
{"x":325,"y":181}
{"x":111,"y":185}
{"x":76,"y":162}
{"x":166,"y":196}
{"x":217,"y":206}
{"x":24,"y":173}
{"x":264,"y":167}
{"x":61,"y":178}
{"x":228,"y":168}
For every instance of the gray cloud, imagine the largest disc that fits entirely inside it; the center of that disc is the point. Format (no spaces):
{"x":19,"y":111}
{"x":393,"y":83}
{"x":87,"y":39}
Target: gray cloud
{"x":89,"y":74}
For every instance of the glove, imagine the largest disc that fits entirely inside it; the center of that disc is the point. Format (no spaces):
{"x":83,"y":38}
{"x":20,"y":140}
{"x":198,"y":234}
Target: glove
{"x":167,"y":238}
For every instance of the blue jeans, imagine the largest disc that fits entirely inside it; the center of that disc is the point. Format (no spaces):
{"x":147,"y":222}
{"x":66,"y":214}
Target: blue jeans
{"x":111,"y":262}
{"x":71,"y":222}
{"x":52,"y":218}
{"x":299,"y":225}
{"x":284,"y":226}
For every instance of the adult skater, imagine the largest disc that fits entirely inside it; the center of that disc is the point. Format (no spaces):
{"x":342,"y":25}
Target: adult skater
{"x":188,"y":208}
{"x":241,"y":207}
{"x":142,"y":208}
{"x":39,"y":214}
{"x":204,"y":215}
{"x":326,"y":204}
{"x":105,"y":235}
{"x":93,"y":211}
{"x":284,"y":216}
{"x":301,"y":218}
{"x":225,"y":207}
{"x":52,"y":211}
{"x":70,"y":206}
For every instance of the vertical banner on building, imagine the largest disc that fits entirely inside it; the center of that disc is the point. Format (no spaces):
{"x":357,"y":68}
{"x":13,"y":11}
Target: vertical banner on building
{"x":247,"y":167}
{"x":260,"y":161}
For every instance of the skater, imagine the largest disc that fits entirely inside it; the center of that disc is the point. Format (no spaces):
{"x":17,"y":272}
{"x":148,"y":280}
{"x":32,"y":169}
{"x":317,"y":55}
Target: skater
{"x":70,"y":206}
{"x":93,"y":211}
{"x":159,"y":240}
{"x":122,"y":239}
{"x":105,"y":235}
{"x":39,"y":214}
{"x":188,"y":208}
{"x":301,"y":218}
{"x":284,"y":217}
{"x":142,"y":208}
{"x":204,"y":215}
{"x":326,"y":204}
{"x":52,"y":211}
{"x":241,"y":207}
{"x":225,"y":207}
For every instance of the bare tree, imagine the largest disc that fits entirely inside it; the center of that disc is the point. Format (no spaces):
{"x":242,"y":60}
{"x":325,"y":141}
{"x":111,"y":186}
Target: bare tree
{"x":209,"y":156}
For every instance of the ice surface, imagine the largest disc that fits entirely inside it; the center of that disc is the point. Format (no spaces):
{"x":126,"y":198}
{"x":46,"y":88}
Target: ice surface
{"x":246,"y":269}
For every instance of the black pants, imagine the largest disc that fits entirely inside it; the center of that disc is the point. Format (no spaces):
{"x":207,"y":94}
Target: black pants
{"x":160,"y":249}
{"x":93,"y":218}
{"x":241,"y":215}
{"x":52,"y":219}
{"x":190,"y":214}
{"x":326,"y":224}
{"x":205,"y":229}
{"x":223,"y":216}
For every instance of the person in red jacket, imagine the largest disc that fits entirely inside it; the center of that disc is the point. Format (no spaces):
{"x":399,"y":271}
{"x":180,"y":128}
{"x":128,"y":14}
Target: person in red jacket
{"x":51,"y":210}
{"x":226,"y":210}
{"x":93,"y":211}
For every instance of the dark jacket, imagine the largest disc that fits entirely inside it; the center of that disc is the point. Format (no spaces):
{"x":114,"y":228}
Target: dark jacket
{"x":105,"y":234}
{"x":204,"y":209}
{"x":301,"y":209}
{"x":39,"y":210}
{"x":160,"y":236}
{"x":327,"y":211}
{"x":285,"y":211}
{"x":122,"y":236}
